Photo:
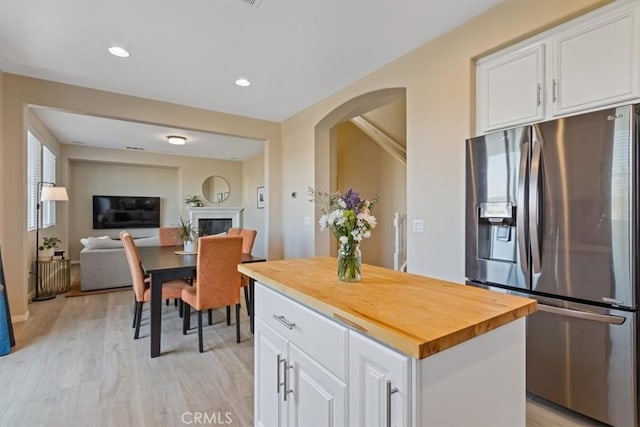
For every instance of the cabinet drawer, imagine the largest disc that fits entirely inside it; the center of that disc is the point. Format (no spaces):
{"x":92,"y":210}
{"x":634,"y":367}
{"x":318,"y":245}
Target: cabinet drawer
{"x":305,"y":328}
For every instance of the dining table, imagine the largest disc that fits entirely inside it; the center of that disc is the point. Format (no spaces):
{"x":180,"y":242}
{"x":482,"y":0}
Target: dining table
{"x":163,"y":263}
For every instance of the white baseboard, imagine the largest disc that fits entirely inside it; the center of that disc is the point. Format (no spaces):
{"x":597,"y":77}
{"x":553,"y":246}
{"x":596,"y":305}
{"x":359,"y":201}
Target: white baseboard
{"x":20,"y":318}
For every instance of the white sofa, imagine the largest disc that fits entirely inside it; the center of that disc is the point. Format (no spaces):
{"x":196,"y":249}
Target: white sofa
{"x":103,"y":263}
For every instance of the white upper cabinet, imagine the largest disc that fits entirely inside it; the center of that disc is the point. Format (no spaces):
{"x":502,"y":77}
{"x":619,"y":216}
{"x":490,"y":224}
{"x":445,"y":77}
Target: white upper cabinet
{"x":589,"y":63}
{"x":510,"y":89}
{"x":596,"y":64}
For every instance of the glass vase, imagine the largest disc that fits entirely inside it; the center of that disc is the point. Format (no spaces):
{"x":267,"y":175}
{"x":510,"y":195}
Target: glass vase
{"x":349,"y":263}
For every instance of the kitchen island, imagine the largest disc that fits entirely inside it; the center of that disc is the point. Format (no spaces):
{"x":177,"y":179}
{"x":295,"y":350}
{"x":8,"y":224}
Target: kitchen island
{"x":393,"y":349}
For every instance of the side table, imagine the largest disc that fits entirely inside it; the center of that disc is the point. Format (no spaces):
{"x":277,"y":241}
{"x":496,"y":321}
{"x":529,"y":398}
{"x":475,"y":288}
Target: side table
{"x":55,"y":276}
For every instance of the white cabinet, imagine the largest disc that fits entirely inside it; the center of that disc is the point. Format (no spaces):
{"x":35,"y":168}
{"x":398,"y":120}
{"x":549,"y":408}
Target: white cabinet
{"x":317,"y":397}
{"x":270,"y":350}
{"x":299,"y":379}
{"x":311,"y":370}
{"x":510,"y":89}
{"x":596,"y":64}
{"x":589,"y":63}
{"x":379,"y":382}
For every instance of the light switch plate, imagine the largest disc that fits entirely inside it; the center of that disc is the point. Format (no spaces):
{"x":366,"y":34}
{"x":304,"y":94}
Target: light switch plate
{"x":418,"y":225}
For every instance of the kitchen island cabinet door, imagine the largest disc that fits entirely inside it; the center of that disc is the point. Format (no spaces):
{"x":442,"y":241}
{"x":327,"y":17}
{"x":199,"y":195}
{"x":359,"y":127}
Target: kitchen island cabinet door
{"x":315,"y":397}
{"x":379,"y":384}
{"x":270,"y":357}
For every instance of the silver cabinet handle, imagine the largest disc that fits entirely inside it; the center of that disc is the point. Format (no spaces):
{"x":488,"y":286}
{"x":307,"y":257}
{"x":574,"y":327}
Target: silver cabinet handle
{"x":555,"y":85}
{"x":539,"y":95}
{"x":286,"y":380}
{"x":280,"y":360}
{"x":284,"y":321}
{"x":390,"y":391}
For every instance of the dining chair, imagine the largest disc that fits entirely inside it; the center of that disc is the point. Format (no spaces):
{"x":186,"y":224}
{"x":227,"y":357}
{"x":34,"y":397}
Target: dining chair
{"x":169,"y":236}
{"x":248,"y":239}
{"x":141,"y":290}
{"x":218,"y":281}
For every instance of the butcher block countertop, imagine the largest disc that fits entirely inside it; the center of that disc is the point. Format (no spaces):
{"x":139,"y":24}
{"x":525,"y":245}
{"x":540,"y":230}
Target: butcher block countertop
{"x":416,"y":315}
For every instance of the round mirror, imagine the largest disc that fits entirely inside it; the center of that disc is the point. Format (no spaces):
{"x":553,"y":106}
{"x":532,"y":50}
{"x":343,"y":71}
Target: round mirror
{"x":215,"y":189}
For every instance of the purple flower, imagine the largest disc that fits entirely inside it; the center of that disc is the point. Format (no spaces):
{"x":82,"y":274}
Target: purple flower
{"x":352,"y":200}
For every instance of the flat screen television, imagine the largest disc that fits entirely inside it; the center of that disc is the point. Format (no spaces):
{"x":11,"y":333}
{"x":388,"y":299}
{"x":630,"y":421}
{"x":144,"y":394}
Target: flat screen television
{"x":126,"y":212}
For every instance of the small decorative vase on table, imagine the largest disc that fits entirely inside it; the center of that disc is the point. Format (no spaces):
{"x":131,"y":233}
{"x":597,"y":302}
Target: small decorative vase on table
{"x":349,"y":219}
{"x":349,"y":263}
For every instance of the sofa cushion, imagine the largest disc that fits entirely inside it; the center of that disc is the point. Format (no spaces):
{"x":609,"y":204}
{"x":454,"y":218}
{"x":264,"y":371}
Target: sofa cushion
{"x":105,"y":242}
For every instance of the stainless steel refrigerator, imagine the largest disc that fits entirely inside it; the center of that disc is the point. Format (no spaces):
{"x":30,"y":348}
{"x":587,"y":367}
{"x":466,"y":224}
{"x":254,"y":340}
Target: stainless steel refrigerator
{"x":552,"y":214}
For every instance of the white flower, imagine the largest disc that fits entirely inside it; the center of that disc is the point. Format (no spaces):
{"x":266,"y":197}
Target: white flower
{"x":323,"y":222}
{"x":367,"y":234}
{"x":366,"y":216}
{"x":342,"y":204}
{"x":344,"y":240}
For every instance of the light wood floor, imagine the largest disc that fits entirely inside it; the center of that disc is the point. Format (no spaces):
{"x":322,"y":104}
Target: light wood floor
{"x":76,"y":364}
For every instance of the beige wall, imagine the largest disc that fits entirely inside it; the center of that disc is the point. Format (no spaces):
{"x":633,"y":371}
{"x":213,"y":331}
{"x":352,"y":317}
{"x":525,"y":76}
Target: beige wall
{"x":121,"y":172}
{"x":368,"y":169}
{"x":391,"y":119}
{"x":19,"y":92}
{"x":252,"y":178}
{"x":438,"y":78}
{"x":93,"y":178}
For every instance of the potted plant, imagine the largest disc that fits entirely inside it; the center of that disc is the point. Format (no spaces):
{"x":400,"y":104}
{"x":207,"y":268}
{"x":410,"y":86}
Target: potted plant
{"x":47,"y":247}
{"x":193,"y":200}
{"x":187,"y":234}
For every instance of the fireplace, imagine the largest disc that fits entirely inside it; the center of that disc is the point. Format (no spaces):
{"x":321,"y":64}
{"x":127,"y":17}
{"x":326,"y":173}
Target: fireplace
{"x":209,"y":220}
{"x":209,"y":226}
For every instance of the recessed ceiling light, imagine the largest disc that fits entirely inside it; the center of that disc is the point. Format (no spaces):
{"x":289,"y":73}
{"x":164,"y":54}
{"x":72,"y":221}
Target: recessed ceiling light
{"x":243,"y":82}
{"x":119,"y":52}
{"x":177,"y":140}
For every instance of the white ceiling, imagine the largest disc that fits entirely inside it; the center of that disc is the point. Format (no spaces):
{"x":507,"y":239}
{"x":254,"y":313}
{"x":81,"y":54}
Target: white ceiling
{"x":72,"y":128}
{"x":190,"y":52}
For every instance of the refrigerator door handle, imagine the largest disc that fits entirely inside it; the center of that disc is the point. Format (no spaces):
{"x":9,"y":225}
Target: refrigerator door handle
{"x":521,"y":210}
{"x":534,"y":194}
{"x":603,"y":318}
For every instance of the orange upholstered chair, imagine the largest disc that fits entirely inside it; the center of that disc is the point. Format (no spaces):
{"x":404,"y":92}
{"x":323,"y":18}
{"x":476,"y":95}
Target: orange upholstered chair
{"x":169,"y":236}
{"x":248,"y":239}
{"x":170,"y":289}
{"x":218,"y":282}
{"x":233,"y":231}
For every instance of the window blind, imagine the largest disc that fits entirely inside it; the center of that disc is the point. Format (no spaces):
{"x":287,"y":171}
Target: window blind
{"x":48,"y":175}
{"x":41,"y":166}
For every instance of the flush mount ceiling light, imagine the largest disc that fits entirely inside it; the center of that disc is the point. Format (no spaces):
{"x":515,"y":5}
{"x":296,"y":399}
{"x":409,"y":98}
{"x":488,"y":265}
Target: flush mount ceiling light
{"x":177,"y":140}
{"x":243,"y":82}
{"x":119,"y":52}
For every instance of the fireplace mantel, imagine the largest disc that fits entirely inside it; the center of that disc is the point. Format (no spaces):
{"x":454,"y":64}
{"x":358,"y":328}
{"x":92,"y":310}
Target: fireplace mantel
{"x":208,"y":212}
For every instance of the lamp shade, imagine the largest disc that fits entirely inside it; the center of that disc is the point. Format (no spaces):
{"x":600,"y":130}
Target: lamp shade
{"x":54,"y":193}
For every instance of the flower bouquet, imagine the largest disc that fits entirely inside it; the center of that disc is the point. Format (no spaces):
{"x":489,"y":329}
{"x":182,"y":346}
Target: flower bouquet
{"x":349,"y":219}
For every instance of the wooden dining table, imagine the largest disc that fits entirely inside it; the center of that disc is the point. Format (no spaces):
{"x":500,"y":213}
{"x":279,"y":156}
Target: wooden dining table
{"x":162,"y":263}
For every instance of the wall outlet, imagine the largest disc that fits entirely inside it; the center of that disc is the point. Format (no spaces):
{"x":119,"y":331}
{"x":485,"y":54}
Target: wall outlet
{"x":418,"y":225}
{"x":307,"y":220}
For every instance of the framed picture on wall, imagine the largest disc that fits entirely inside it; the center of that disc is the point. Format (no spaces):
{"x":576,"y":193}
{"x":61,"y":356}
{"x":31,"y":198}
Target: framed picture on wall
{"x":260,"y":198}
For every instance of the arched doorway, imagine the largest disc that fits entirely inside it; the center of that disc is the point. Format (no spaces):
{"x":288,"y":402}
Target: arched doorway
{"x":325,"y":145}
